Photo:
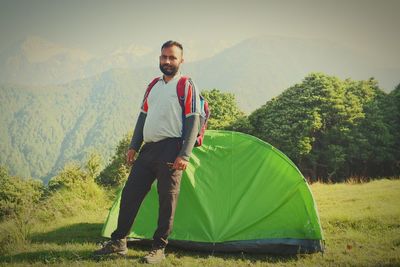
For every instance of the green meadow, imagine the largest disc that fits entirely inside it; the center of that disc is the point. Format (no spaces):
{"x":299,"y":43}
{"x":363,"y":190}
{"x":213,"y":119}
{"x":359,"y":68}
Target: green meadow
{"x":361,"y":224}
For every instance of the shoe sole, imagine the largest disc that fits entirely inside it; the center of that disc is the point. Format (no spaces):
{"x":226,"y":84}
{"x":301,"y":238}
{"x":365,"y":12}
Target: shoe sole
{"x":122,"y":253}
{"x":154,"y":262}
{"x":119,"y":253}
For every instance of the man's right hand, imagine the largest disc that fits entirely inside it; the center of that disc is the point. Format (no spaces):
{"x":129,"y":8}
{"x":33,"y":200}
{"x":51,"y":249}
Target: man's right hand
{"x":130,"y":156}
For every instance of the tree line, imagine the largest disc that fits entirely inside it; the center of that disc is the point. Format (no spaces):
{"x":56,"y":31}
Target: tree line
{"x":331,"y":129}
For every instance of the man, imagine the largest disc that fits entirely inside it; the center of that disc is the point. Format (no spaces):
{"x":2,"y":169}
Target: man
{"x":164,"y":155}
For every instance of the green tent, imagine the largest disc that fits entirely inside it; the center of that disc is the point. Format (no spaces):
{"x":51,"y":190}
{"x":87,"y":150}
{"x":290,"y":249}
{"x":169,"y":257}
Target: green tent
{"x":237,"y":194}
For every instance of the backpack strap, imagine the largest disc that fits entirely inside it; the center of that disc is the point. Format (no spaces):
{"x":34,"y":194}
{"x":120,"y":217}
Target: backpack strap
{"x":180,"y":91}
{"x":150,"y":86}
{"x":146,"y":94}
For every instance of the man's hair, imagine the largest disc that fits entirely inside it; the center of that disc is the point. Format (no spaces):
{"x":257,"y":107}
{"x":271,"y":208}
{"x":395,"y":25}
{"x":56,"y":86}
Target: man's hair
{"x":172,"y":43}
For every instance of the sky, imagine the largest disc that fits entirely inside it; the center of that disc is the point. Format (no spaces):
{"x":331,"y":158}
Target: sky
{"x":100,"y":26}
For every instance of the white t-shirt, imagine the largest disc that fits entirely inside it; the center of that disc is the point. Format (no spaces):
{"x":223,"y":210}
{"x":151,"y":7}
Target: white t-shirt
{"x":164,"y":113}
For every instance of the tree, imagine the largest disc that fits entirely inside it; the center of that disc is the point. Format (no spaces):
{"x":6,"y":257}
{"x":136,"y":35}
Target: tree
{"x":296,"y":120}
{"x":224,"y":109}
{"x":392,"y":118}
{"x":330,"y":128}
{"x":70,"y":177}
{"x":93,"y":165}
{"x":242,"y":124}
{"x":116,"y":172}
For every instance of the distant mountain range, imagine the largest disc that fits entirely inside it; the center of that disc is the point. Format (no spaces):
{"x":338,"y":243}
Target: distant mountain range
{"x":58,"y":104}
{"x":40,"y":62}
{"x":260,"y":68}
{"x":37,"y":61}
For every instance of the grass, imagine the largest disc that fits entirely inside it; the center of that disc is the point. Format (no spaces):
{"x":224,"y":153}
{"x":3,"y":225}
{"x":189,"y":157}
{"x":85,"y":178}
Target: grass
{"x":361,"y":223}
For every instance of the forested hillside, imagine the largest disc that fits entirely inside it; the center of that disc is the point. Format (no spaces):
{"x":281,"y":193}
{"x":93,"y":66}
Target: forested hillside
{"x":43,"y":128}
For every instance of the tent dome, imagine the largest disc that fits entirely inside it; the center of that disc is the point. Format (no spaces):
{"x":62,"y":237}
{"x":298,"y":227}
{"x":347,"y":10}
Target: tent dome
{"x":238,"y":193}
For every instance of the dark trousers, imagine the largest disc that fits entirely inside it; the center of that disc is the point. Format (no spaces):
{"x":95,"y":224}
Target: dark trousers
{"x":151,"y":164}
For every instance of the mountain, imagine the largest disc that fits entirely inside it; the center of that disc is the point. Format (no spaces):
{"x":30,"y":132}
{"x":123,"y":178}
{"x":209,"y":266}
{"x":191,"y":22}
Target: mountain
{"x":275,"y":62}
{"x":37,"y":61}
{"x":260,"y":68}
{"x":43,"y":127}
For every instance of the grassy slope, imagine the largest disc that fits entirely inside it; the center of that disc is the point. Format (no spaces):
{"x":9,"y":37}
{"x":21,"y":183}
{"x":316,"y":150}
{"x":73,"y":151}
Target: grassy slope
{"x":361,"y":225}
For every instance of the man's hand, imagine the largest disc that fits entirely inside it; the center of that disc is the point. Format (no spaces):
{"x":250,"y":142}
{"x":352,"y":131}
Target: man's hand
{"x":130,"y":156}
{"x":180,"y":164}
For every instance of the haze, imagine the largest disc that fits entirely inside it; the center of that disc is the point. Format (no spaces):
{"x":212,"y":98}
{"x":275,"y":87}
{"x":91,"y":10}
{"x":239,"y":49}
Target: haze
{"x":100,"y":27}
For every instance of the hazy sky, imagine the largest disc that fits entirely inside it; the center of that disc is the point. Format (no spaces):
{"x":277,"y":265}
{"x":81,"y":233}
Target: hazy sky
{"x":100,"y":26}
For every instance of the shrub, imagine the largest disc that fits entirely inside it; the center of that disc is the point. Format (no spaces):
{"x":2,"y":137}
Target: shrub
{"x":70,"y":177}
{"x":18,"y":195}
{"x":19,"y":199}
{"x":116,"y":172}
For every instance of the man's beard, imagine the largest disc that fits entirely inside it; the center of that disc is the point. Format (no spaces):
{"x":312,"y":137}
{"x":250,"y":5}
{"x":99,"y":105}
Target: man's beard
{"x":168,"y":70}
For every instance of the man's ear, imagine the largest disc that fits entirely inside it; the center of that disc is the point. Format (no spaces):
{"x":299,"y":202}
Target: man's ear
{"x":182,"y":60}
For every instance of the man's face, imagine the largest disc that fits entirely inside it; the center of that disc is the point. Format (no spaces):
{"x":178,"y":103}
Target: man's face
{"x":170,"y":60}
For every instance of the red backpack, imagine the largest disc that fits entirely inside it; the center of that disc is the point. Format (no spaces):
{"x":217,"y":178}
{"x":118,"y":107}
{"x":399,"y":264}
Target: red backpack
{"x":180,"y":91}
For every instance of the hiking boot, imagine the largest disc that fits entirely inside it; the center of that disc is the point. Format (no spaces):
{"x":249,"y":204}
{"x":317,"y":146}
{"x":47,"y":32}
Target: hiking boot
{"x":155,"y":256}
{"x":113,"y":246}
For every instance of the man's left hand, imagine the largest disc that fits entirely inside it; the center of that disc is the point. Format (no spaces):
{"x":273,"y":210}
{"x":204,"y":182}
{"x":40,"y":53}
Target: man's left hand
{"x":180,"y":164}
